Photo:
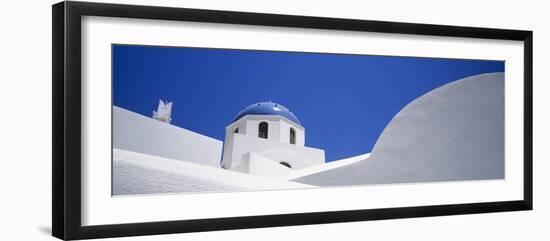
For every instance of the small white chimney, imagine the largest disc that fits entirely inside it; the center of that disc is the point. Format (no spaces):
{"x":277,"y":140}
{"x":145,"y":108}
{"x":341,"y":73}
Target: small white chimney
{"x":164,"y":112}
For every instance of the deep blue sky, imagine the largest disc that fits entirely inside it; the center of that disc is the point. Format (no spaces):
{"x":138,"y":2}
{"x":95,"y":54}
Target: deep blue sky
{"x":343,"y":101}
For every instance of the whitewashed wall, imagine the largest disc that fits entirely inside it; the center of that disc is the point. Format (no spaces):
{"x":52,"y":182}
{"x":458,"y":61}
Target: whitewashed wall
{"x":134,"y":132}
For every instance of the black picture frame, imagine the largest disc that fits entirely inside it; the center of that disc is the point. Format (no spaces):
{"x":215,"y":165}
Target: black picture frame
{"x":66,"y":159}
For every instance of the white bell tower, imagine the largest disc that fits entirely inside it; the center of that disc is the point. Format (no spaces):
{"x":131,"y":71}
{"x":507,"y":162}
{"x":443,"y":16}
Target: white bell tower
{"x":266,"y":139}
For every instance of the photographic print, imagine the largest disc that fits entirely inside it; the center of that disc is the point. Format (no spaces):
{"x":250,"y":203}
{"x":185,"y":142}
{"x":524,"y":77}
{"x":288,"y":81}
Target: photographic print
{"x":160,"y":114}
{"x":192,"y":120}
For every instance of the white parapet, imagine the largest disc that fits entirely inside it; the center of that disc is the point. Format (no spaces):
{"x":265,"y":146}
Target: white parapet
{"x":138,"y":133}
{"x":137,"y":173}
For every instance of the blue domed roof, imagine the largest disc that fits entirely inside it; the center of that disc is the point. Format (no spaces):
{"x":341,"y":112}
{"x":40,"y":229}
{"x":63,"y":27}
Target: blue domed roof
{"x":267,"y":108}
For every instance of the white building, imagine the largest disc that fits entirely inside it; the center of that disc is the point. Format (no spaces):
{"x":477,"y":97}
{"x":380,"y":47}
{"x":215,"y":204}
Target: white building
{"x":266,"y":139}
{"x":152,"y":156}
